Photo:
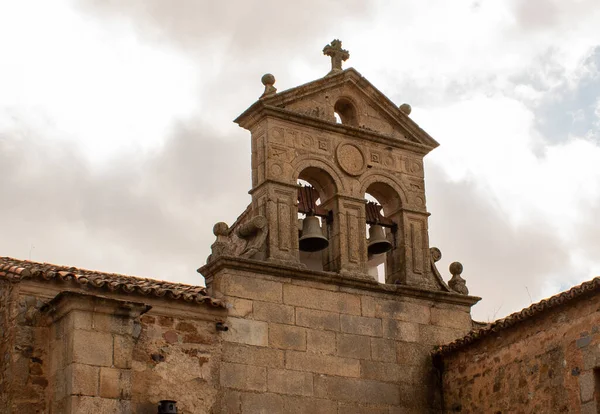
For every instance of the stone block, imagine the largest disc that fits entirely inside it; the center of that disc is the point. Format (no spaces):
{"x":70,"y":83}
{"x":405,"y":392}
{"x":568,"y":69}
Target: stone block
{"x":361,"y":325}
{"x":110,"y":383}
{"x":92,"y":348}
{"x":239,"y":307}
{"x":81,"y":379}
{"x":262,"y":403}
{"x":304,"y":405}
{"x":410,"y":353}
{"x":290,"y":382}
{"x":353,"y":346}
{"x":401,"y":309}
{"x":321,"y":299}
{"x":321,"y":342}
{"x":587,"y":386}
{"x":243,"y":377}
{"x":451,"y":318}
{"x":78,"y":319}
{"x":317,"y":319}
{"x":383,"y":350}
{"x":122,"y":351}
{"x":252,"y":355}
{"x":349,"y":408}
{"x":386,"y":372}
{"x":273,"y":312}
{"x":322,"y":364}
{"x":401,"y":331}
{"x":251,"y":288}
{"x":92,"y":405}
{"x":229,"y":402}
{"x":246,"y":331}
{"x":287,"y":337}
{"x":357,"y":390}
{"x":438,"y":335}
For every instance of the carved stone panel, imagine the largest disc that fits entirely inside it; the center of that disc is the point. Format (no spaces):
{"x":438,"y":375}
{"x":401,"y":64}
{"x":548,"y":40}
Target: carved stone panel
{"x":351,"y":159}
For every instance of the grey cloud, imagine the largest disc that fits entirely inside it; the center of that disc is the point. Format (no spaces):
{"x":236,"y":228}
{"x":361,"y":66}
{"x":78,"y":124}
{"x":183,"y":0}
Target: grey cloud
{"x":502,"y":264}
{"x":142,"y":214}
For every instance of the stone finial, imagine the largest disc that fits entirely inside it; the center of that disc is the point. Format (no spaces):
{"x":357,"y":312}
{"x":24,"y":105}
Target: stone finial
{"x":457,"y":283}
{"x":338,"y":55}
{"x":268,"y":80}
{"x":406,"y":108}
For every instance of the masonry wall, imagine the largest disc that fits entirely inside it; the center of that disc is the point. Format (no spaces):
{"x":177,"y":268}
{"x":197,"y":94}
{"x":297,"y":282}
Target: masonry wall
{"x":24,"y":350}
{"x":547,"y":364}
{"x":300,"y":346}
{"x":177,"y":357}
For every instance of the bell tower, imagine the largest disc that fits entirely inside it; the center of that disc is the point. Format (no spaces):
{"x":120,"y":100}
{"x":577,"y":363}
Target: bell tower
{"x":349,"y":142}
{"x":337,"y":192}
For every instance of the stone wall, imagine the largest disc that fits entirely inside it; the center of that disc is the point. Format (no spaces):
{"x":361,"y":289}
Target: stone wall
{"x":25,"y":379}
{"x":300,"y":346}
{"x":546,"y":364}
{"x":177,"y":357}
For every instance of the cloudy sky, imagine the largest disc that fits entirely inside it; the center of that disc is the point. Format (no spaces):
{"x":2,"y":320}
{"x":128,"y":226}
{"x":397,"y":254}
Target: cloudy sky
{"x":117,"y":150}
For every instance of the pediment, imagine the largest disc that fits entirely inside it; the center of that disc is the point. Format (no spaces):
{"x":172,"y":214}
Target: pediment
{"x":357,"y":102}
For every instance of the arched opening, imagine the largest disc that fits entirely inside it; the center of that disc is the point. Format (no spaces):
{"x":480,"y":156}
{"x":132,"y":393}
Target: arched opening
{"x":315,"y":187}
{"x":346,"y":112}
{"x":383,"y":204}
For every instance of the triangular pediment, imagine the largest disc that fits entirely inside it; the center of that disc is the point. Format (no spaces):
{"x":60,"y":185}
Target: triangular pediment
{"x":358,"y":103}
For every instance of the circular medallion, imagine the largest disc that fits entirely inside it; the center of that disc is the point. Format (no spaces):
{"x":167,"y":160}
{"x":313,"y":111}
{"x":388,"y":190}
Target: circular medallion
{"x":351,"y":159}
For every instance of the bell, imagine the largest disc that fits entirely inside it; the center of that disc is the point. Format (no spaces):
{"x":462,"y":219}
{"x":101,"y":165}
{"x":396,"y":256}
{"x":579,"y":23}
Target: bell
{"x":377,"y":242}
{"x":312,"y":239}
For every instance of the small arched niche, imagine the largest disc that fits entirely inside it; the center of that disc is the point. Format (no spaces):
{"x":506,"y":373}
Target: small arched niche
{"x":317,"y":187}
{"x":388,"y":206}
{"x":345,"y":112}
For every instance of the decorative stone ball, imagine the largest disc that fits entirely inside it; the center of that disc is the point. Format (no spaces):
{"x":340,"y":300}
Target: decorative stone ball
{"x":220,"y":229}
{"x":456,"y":268}
{"x":267,"y":79}
{"x":406,"y":108}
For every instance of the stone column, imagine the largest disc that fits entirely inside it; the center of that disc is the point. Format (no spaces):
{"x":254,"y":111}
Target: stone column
{"x":347,"y":251}
{"x":278,"y":202}
{"x":409,"y":263}
{"x":91,"y":346}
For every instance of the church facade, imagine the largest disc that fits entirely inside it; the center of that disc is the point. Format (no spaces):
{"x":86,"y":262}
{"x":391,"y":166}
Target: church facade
{"x":293,"y":318}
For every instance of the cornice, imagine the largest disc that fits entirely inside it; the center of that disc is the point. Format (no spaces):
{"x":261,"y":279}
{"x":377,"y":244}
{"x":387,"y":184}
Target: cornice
{"x":286,"y":271}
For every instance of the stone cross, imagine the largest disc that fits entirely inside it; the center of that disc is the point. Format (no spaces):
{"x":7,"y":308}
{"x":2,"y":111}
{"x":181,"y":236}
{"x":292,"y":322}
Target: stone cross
{"x":338,"y":55}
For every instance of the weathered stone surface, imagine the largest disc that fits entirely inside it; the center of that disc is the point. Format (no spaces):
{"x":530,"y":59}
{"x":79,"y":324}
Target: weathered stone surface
{"x":321,"y":299}
{"x":272,"y":312}
{"x":83,"y":379}
{"x":356,"y":390}
{"x":243,"y":377}
{"x":287,"y":337}
{"x":317,"y":319}
{"x":262,"y":403}
{"x":322,"y":364}
{"x":245,"y":354}
{"x":302,"y":405}
{"x":321,"y":342}
{"x":247,"y":331}
{"x":353,"y":346}
{"x":361,"y":325}
{"x":92,"y":348}
{"x":290,"y":382}
{"x":401,"y":310}
{"x":383,"y":350}
{"x":401,"y":331}
{"x":110,"y":383}
{"x":251,"y":288}
{"x":456,"y":319}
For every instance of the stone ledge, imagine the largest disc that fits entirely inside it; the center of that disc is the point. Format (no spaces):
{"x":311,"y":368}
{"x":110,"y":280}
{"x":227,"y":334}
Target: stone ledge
{"x":282,"y":270}
{"x":68,"y":301}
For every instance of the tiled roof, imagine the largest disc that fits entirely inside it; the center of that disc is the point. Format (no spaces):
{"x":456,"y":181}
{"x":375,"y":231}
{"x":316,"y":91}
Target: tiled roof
{"x":15,"y":270}
{"x":523,"y":315}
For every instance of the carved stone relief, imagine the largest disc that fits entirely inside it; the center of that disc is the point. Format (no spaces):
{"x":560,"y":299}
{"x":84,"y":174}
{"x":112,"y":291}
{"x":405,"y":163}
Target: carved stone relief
{"x":351,"y":159}
{"x":247,"y":240}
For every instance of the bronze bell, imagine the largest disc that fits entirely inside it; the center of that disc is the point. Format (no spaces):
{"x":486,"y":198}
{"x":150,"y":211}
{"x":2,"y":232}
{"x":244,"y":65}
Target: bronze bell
{"x":377,"y":242}
{"x":312,"y":239}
